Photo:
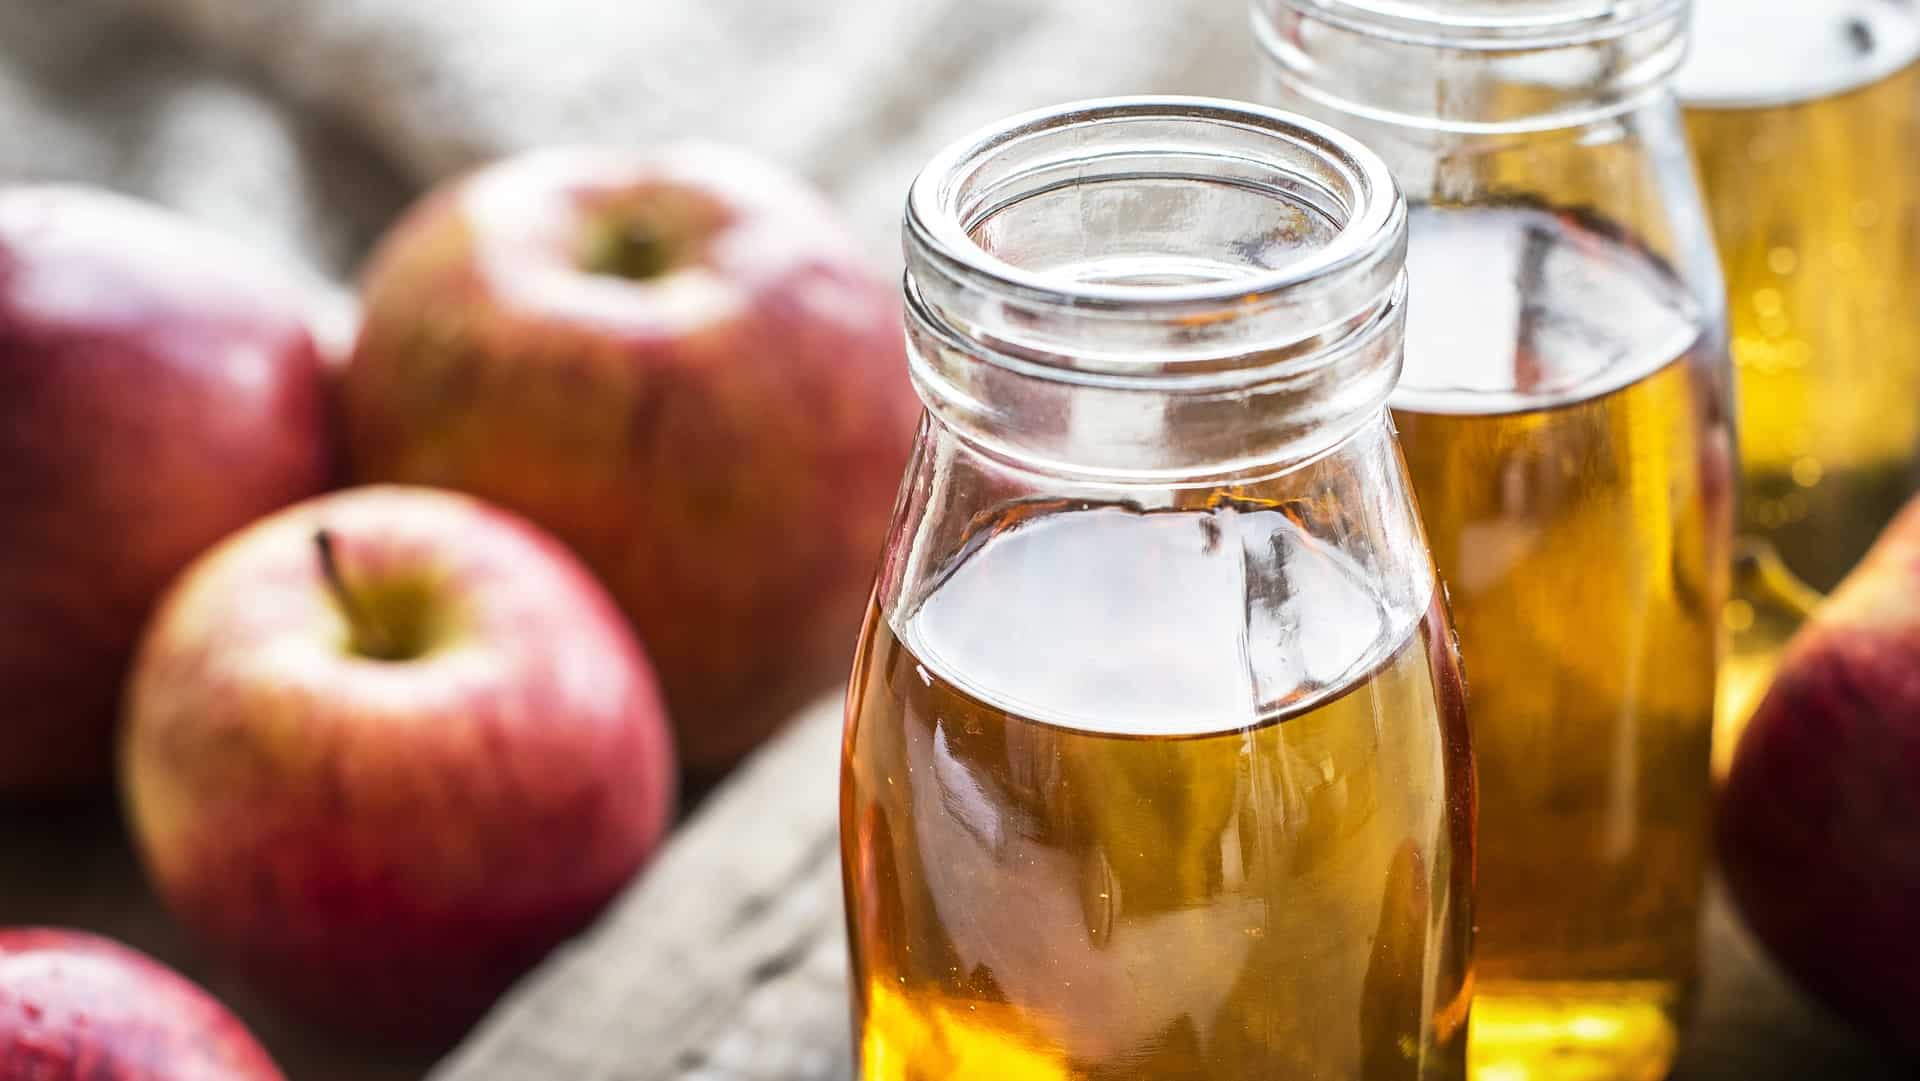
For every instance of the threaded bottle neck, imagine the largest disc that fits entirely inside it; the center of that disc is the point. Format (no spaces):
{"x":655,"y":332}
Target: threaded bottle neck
{"x":1219,"y":283}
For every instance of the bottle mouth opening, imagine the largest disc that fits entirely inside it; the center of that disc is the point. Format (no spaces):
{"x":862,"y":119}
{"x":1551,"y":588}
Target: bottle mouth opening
{"x":1489,"y":24}
{"x":1136,"y":235}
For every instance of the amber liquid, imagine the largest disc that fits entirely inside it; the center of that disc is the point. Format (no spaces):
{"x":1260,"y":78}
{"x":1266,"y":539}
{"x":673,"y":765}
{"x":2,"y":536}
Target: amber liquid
{"x":1816,"y":211}
{"x":1573,"y":476}
{"x":1106,"y":813}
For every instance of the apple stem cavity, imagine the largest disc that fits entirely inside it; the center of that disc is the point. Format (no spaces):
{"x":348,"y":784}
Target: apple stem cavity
{"x":370,"y":637}
{"x":633,"y":250}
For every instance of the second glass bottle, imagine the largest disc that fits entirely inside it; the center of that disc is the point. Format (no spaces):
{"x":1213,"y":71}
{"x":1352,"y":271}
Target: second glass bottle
{"x":1564,"y":412}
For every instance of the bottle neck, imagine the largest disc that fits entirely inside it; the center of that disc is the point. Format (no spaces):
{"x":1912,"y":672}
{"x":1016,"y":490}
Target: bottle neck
{"x":1556,"y":213}
{"x":1155,"y":289}
{"x":1578,"y":63}
{"x":1158,"y":424}
{"x":1576,"y":115}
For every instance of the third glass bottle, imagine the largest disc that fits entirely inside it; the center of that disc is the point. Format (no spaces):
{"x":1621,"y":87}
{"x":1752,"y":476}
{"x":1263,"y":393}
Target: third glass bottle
{"x":1564,"y":410}
{"x":1805,"y":124}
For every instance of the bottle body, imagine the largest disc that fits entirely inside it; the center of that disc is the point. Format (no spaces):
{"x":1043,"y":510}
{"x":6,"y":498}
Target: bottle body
{"x":1581,"y":533}
{"x":1156,"y":763}
{"x":1080,"y":855}
{"x":1805,"y":125}
{"x":1565,"y":419}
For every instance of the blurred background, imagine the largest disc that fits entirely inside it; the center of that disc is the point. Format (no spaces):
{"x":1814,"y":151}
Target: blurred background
{"x":305,"y":126}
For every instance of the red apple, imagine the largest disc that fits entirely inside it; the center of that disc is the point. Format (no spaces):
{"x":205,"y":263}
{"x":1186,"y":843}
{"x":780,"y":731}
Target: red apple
{"x":1819,"y":822}
{"x":74,"y":1007}
{"x":158,"y":389}
{"x":385,"y":748}
{"x":680,"y":364}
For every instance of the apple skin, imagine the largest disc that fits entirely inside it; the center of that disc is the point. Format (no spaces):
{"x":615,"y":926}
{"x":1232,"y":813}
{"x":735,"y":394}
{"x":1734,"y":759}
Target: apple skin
{"x":1819,"y":820}
{"x":75,"y":1007}
{"x":720,"y":441}
{"x":385,"y":845}
{"x":158,"y":389}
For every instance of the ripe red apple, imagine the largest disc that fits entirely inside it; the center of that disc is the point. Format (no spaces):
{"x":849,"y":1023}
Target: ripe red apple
{"x":159,"y":388}
{"x":1819,"y":823}
{"x":387,"y":747}
{"x":74,"y":1007}
{"x":680,"y":364}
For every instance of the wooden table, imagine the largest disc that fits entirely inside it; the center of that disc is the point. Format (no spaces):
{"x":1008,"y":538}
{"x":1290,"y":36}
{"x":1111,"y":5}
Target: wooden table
{"x":725,"y":961}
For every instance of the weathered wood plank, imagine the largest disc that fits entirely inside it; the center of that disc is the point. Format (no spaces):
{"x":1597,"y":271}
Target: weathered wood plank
{"x":726,"y":963}
{"x":726,"y":959}
{"x":1753,"y":1026}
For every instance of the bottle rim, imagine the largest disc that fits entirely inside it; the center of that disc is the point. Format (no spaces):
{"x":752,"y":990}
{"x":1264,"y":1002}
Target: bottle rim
{"x":1155,"y":288}
{"x":1488,"y":24}
{"x":943,"y":208}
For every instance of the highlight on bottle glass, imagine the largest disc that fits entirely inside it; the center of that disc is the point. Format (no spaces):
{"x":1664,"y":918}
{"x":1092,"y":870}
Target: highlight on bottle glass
{"x":1565,"y":417}
{"x":1155,"y":761}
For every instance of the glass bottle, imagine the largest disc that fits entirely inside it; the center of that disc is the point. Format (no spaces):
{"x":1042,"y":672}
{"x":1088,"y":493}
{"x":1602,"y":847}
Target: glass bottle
{"x":1805,"y":123}
{"x":1155,"y":762}
{"x":1564,"y":412}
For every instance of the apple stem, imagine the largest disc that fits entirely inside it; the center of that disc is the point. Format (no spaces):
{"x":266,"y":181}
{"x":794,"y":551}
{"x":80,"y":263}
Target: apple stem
{"x":1760,"y":572}
{"x":633,"y":250}
{"x":370,"y":637}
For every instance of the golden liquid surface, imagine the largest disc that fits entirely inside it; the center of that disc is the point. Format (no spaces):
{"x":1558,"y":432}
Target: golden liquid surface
{"x":1102,"y":818}
{"x":1816,"y":211}
{"x":1573,"y":479}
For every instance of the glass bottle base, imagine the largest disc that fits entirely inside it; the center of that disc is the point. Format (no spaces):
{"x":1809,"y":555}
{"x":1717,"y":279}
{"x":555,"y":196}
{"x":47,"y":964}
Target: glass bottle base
{"x":1574,"y":1031}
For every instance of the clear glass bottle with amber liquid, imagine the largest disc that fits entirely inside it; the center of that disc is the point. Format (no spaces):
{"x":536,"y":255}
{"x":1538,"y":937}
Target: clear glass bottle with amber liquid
{"x":1564,"y":413}
{"x":1155,"y":761}
{"x":1805,"y":123}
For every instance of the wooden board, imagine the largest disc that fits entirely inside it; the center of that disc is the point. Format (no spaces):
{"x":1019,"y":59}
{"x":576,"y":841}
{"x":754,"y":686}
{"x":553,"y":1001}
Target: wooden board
{"x":726,"y":961}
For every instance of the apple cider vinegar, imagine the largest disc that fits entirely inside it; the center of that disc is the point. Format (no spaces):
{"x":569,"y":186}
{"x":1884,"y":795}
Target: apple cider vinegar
{"x":1082,"y":852}
{"x":1565,"y":415}
{"x":1156,"y":764}
{"x":1805,"y":125}
{"x":1573,"y":479}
